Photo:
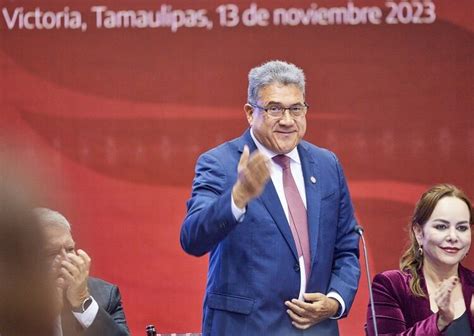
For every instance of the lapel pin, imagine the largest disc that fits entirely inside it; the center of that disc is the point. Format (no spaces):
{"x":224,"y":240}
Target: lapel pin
{"x":313,"y":179}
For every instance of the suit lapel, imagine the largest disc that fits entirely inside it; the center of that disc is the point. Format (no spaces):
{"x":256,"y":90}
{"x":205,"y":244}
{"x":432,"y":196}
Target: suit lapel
{"x":313,"y":197}
{"x":270,"y":200}
{"x":467,"y":282}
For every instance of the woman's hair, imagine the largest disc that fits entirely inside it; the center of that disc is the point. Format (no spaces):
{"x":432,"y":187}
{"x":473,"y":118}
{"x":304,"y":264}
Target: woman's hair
{"x":412,"y":260}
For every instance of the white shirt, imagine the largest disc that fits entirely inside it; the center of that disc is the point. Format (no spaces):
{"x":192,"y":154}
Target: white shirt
{"x":85,"y":319}
{"x":276,"y":174}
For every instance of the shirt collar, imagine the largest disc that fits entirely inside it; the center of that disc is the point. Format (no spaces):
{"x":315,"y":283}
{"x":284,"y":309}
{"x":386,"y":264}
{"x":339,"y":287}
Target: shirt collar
{"x":293,"y":154}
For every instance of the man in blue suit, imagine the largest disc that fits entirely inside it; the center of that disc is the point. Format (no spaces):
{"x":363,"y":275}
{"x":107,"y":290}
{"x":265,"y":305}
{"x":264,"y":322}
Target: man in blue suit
{"x":274,"y":212}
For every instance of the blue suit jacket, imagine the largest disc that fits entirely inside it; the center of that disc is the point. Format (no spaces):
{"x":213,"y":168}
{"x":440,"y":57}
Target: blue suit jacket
{"x":253,"y":267}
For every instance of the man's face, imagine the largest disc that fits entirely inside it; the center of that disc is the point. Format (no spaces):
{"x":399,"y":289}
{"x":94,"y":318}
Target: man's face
{"x":59,"y":242}
{"x":280,"y":135}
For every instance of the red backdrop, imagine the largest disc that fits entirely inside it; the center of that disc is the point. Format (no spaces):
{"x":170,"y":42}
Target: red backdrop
{"x":111,"y":121}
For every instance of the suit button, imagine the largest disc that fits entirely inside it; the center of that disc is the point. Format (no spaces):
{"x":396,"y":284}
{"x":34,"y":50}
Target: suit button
{"x":296,"y":267}
{"x":222,"y":225}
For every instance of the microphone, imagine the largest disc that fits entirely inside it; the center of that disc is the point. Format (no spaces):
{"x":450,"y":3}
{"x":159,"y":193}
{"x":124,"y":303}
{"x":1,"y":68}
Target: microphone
{"x":360,"y":231}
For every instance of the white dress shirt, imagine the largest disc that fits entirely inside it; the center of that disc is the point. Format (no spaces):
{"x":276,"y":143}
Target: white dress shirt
{"x":85,"y":319}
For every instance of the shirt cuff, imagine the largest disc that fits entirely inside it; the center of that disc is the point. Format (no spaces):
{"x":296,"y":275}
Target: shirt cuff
{"x":86,"y":318}
{"x":236,"y":211}
{"x":342,"y":307}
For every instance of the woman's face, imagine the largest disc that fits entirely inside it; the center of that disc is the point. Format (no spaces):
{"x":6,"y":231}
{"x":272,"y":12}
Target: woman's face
{"x":446,"y":236}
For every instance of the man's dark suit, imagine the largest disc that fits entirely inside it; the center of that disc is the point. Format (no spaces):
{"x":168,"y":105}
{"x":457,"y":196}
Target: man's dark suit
{"x":110,"y":319}
{"x":253,"y":267}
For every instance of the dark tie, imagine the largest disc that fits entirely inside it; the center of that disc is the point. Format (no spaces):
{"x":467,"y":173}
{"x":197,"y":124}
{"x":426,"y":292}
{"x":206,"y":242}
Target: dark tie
{"x":296,"y":211}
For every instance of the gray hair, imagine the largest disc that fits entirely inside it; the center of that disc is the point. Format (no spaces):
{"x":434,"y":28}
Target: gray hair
{"x":50,"y":217}
{"x":274,"y":72}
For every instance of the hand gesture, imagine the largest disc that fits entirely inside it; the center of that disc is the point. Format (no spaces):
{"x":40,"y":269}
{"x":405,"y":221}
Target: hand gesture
{"x":59,"y":285}
{"x":442,"y":298}
{"x":75,"y":272}
{"x":317,"y":308}
{"x":253,"y":174}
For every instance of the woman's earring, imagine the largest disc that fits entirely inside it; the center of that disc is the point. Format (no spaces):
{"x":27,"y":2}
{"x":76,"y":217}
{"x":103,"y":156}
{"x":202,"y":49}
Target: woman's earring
{"x":420,"y":251}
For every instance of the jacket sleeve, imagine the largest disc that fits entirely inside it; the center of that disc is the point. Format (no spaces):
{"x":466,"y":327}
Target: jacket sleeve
{"x":345,"y":272}
{"x":110,"y":321}
{"x":209,"y":218}
{"x":389,"y":313}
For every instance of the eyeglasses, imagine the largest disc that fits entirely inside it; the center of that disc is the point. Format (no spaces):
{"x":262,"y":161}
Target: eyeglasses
{"x":277,"y":111}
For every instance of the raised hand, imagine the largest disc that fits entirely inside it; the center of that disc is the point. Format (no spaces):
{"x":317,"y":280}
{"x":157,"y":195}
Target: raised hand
{"x":442,"y":298}
{"x":75,"y":272}
{"x":253,"y":174}
{"x":59,"y":285}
